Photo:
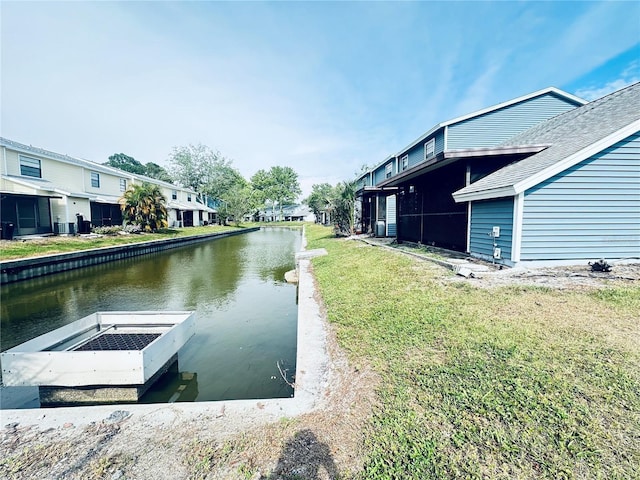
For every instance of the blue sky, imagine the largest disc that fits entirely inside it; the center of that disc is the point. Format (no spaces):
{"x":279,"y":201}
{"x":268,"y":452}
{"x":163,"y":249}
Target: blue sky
{"x":323,"y":87}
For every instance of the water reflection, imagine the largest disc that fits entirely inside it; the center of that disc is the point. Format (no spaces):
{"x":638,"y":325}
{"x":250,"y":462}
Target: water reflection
{"x":174,"y":386}
{"x":246,"y":315}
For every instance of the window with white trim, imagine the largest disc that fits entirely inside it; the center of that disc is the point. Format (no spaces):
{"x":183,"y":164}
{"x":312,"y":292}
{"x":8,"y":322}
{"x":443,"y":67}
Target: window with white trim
{"x":430,"y":148}
{"x":404,"y":163}
{"x":123,"y":184}
{"x":95,"y":179}
{"x":174,"y":194}
{"x":188,"y":196}
{"x":30,"y":167}
{"x":388,"y":170}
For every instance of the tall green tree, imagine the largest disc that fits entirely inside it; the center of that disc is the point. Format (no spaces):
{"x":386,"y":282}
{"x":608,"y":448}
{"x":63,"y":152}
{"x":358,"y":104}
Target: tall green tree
{"x":156,"y":171}
{"x":144,"y":205}
{"x":240,"y":201}
{"x":263,"y":183}
{"x":131,"y":165}
{"x":126,"y":163}
{"x":203,"y":170}
{"x":319,"y":199}
{"x":278,"y":186}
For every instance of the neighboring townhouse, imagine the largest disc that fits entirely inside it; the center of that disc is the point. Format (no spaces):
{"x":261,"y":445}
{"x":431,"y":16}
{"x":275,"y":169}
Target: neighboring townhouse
{"x":578,"y":198}
{"x":44,"y":192}
{"x":290,"y":213}
{"x":542,"y":178}
{"x":185,"y":207}
{"x":409,"y":194}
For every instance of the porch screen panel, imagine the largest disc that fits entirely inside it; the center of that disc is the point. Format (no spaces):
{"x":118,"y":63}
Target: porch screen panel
{"x":27,"y":212}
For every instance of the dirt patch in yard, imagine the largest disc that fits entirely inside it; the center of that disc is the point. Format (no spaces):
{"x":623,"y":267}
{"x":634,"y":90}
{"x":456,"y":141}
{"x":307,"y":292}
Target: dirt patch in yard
{"x":560,"y":277}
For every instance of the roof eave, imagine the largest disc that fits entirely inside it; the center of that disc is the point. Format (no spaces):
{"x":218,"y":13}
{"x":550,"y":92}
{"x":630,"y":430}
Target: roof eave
{"x":446,"y":158}
{"x":488,"y":194}
{"x":558,"y":167}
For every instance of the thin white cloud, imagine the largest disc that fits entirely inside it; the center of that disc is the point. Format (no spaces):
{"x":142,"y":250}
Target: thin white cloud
{"x":610,"y":87}
{"x":481,"y":90}
{"x":629,"y":76}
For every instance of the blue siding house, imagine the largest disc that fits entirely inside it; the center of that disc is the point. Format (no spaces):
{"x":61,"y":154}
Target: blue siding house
{"x":576,"y":199}
{"x":421,"y":178}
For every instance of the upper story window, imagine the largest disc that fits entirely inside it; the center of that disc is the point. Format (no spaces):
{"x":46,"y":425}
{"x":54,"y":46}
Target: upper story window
{"x":430,"y":148}
{"x":189,"y":197}
{"x":174,"y":194}
{"x":404,"y":163}
{"x":123,"y":184}
{"x":95,"y":179}
{"x":30,"y":167}
{"x":388,"y":170}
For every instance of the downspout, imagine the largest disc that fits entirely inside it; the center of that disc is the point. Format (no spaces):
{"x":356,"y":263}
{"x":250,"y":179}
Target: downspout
{"x":66,"y":211}
{"x":421,"y":214}
{"x":516,"y":241}
{"x":4,"y":160}
{"x":467,"y":182}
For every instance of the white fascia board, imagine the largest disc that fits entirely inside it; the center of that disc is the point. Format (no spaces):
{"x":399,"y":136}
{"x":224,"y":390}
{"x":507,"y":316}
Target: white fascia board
{"x":19,"y":182}
{"x":484,"y":194}
{"x":446,"y":139}
{"x":87,"y":196}
{"x":68,"y":194}
{"x":577,"y":157}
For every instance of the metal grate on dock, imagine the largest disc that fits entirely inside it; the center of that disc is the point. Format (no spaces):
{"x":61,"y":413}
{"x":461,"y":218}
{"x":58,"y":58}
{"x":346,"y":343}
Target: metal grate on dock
{"x":118,"y":341}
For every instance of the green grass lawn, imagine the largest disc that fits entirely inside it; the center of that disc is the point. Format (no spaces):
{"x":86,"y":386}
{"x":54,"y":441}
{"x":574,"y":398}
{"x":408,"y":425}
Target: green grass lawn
{"x":512,"y":382}
{"x":48,"y":245}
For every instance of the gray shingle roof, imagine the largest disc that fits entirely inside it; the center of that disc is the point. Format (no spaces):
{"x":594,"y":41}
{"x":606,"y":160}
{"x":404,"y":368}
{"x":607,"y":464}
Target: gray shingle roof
{"x":566,"y":134}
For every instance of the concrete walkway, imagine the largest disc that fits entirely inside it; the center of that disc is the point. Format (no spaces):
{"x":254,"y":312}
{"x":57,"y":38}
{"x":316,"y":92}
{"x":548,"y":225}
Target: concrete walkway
{"x":458,"y":262}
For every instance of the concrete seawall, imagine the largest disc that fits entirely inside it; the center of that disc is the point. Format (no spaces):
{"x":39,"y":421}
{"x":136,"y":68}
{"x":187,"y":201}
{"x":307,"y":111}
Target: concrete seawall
{"x":26,"y":268}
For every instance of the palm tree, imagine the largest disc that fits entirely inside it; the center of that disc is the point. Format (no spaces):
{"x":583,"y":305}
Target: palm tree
{"x":144,"y":205}
{"x":341,"y":207}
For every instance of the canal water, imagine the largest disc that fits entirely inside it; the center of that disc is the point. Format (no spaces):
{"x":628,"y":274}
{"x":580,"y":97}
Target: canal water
{"x":246,"y":314}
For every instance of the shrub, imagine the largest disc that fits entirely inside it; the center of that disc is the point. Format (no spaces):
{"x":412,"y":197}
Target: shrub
{"x":107,"y":230}
{"x":132,"y":228}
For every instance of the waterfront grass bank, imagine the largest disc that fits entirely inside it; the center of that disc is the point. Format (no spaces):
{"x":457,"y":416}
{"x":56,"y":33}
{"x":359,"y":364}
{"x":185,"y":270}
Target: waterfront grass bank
{"x":507,"y":382}
{"x":36,"y":247}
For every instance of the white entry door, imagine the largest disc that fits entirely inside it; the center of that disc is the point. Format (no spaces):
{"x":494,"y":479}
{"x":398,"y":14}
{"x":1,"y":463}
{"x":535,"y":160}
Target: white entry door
{"x":391,"y":216}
